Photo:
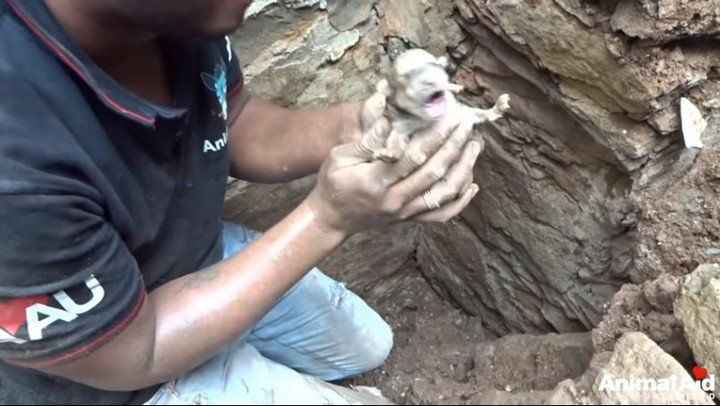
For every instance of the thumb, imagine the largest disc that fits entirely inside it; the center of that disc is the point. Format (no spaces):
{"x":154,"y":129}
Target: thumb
{"x":361,"y":151}
{"x":373,"y":110}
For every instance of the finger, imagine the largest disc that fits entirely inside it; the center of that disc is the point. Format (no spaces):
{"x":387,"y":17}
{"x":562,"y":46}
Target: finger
{"x":438,"y":166}
{"x":363,"y":149}
{"x":425,"y":144}
{"x":479,"y":139}
{"x":458,"y":178}
{"x":451,"y":209}
{"x":373,"y":110}
{"x":456,"y":182}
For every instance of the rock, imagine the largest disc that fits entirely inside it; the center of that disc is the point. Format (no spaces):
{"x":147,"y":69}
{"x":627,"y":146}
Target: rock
{"x":422,"y":388}
{"x":663,"y":21}
{"x":678,"y":221}
{"x":257,"y":7}
{"x":647,"y":308}
{"x":341,"y":43}
{"x":636,"y":372}
{"x":698,"y":308}
{"x":348,"y":14}
{"x":638,"y":358}
{"x":665,"y":121}
{"x":585,"y":64}
{"x":693,"y":124}
{"x":404,"y":19}
{"x":288,"y":66}
{"x":632,"y":374}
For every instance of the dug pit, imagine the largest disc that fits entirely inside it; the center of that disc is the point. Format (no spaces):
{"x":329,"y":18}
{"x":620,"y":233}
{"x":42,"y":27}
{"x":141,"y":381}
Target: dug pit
{"x":586,"y":188}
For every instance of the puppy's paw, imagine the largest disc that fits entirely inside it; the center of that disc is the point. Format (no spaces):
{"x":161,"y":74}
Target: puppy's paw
{"x":455,"y":88}
{"x":387,"y":155}
{"x":503,"y":103}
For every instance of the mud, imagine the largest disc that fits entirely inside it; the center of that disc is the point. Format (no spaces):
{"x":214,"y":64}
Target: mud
{"x":444,"y":356}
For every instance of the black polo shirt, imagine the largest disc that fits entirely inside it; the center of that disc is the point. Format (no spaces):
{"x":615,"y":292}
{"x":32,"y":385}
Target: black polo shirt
{"x":103,"y":195}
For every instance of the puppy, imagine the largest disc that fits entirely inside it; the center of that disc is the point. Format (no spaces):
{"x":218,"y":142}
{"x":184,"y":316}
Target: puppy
{"x":419,"y":93}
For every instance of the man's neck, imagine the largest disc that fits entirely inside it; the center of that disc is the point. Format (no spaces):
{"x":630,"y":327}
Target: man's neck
{"x":95,"y":29}
{"x":129,"y":54}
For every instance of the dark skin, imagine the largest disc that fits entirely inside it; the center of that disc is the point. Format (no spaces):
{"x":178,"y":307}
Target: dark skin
{"x":186,"y":321}
{"x":133,"y":57}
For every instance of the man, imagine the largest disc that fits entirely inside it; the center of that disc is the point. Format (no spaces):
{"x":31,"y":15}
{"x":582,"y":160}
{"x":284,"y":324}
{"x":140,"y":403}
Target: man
{"x":119,"y":123}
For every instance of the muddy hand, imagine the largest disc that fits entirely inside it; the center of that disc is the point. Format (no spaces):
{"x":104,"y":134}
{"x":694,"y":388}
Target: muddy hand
{"x":355,"y":192}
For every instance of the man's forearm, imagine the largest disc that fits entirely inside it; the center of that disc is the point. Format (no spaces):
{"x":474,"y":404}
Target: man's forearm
{"x":188,"y":320}
{"x":271,"y":144}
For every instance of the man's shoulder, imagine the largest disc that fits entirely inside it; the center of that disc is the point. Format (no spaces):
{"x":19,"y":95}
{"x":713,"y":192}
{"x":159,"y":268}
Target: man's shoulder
{"x":36,"y":138}
{"x":4,"y":7}
{"x":22,"y":59}
{"x":33,"y":84}
{"x":24,"y":108}
{"x":15,"y":39}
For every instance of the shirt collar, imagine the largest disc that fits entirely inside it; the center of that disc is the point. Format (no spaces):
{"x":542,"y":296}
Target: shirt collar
{"x":36,"y":16}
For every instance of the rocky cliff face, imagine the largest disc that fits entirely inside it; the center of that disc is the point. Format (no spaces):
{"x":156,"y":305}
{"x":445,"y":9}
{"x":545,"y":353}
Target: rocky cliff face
{"x":594,"y":128}
{"x":595,"y":123}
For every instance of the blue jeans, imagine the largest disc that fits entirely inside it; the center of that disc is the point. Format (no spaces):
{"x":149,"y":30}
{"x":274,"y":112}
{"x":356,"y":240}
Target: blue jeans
{"x":317,"y":331}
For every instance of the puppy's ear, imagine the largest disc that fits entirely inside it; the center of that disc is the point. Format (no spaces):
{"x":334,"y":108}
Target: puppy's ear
{"x":383,"y":87}
{"x":442,"y":61}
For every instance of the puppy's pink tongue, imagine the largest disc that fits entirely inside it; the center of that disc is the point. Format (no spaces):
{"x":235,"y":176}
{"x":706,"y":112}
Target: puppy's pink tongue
{"x":436,"y":108}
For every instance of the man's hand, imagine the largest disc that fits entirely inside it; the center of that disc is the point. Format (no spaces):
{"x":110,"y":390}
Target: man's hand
{"x":360,"y":117}
{"x":431,"y":182}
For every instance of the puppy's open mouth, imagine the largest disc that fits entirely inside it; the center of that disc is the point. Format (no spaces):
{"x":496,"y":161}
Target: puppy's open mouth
{"x":436,"y":104}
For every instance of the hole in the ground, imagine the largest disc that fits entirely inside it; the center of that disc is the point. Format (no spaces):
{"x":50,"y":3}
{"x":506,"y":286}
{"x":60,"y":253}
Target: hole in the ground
{"x":444,"y":355}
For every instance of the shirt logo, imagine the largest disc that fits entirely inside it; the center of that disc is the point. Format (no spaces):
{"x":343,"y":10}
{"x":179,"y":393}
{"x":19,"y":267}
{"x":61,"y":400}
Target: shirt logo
{"x":37,"y":314}
{"x":217,"y":83}
{"x":215,"y":146}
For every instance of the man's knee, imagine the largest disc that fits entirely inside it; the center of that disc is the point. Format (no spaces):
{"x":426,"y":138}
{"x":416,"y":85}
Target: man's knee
{"x":361,"y":339}
{"x":373,"y":344}
{"x":382,"y":344}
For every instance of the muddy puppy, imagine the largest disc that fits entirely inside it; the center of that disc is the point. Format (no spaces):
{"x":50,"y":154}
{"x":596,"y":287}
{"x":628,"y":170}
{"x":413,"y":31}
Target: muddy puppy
{"x":419,"y":93}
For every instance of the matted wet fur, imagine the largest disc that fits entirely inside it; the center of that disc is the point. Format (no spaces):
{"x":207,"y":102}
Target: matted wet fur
{"x":419,"y":92}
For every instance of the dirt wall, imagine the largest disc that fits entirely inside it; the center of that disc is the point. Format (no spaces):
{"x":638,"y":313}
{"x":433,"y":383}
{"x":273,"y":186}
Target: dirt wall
{"x":574,"y":184}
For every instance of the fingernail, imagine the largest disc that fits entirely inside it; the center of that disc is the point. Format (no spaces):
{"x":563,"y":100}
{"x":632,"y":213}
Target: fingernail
{"x":474,"y":189}
{"x":475,"y":147}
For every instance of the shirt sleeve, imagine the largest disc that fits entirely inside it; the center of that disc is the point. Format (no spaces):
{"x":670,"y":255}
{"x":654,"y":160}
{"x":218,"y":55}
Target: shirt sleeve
{"x":68,"y":283}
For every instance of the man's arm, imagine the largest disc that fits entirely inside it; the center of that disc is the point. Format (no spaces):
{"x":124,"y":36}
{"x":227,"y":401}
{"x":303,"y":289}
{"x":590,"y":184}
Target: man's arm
{"x":271,"y":144}
{"x":186,"y":321}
